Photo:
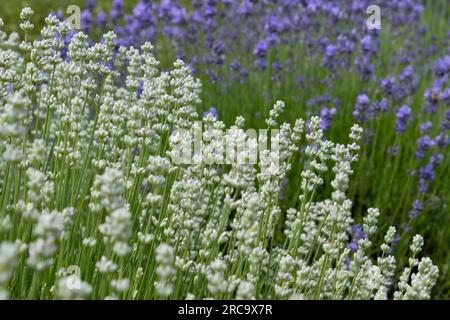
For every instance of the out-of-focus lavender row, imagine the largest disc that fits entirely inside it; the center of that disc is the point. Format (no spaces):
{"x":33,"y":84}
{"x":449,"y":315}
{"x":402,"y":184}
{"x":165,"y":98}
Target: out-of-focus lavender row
{"x":247,"y":37}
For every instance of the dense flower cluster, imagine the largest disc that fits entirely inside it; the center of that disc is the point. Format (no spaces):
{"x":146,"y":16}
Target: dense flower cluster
{"x":225,"y":28}
{"x":89,"y":183}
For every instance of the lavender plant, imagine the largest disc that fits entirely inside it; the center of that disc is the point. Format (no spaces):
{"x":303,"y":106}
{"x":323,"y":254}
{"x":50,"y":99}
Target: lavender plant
{"x":90,"y":181}
{"x":321,"y":59}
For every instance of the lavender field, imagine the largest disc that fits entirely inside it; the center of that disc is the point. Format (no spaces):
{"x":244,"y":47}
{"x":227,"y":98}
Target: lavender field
{"x":225,"y":149}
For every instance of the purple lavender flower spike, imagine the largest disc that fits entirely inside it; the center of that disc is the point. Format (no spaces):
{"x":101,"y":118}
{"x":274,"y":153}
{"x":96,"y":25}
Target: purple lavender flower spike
{"x":362,"y":107}
{"x":408,"y":80}
{"x":393,"y":150}
{"x":212,"y":112}
{"x":90,"y":5}
{"x":426,"y":174}
{"x":86,"y":21}
{"x":431,"y":99}
{"x":423,"y":145}
{"x":245,"y":8}
{"x":445,"y":125}
{"x":116,"y":10}
{"x":403,"y":115}
{"x":219,"y":48}
{"x":417,"y":208}
{"x":327,"y":116}
{"x":367,"y":45}
{"x":442,"y":140}
{"x":425,"y":126}
{"x":442,"y":67}
{"x":436,"y":159}
{"x":101,"y":20}
{"x":357,"y":234}
{"x":388,"y":86}
{"x":329,"y":57}
{"x":261,"y":49}
{"x":384,"y":105}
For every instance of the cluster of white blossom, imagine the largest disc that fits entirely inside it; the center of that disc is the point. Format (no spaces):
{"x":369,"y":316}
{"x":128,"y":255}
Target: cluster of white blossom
{"x":87,"y":178}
